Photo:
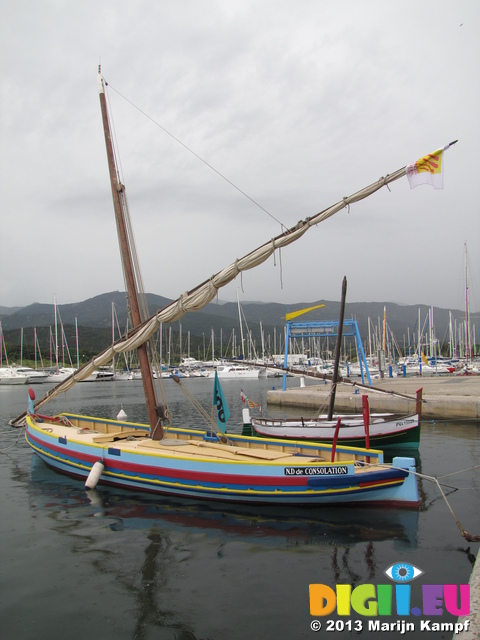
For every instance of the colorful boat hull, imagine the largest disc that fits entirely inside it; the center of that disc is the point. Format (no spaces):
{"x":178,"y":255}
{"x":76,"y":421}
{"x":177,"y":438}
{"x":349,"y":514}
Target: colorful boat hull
{"x":245,"y":470}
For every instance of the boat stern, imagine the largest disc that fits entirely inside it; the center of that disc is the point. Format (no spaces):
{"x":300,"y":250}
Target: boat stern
{"x":407,"y":494}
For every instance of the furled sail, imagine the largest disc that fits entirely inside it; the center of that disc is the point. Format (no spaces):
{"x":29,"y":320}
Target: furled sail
{"x":204,"y":293}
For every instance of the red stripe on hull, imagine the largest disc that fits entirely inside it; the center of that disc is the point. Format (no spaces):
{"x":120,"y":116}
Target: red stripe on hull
{"x":115,"y":464}
{"x":81,"y":457}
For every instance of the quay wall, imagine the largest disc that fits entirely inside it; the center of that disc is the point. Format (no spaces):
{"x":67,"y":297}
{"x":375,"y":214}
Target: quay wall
{"x":446,"y":398}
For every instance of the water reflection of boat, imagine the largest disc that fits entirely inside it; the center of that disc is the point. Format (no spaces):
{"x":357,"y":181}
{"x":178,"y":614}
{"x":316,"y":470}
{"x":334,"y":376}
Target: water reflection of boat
{"x":327,"y":526}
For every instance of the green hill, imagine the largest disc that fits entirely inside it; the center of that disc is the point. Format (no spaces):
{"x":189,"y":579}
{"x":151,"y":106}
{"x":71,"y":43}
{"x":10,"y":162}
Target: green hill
{"x":92,"y":320}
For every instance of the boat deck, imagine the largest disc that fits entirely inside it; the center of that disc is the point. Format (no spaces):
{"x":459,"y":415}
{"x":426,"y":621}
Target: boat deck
{"x":184,"y":443}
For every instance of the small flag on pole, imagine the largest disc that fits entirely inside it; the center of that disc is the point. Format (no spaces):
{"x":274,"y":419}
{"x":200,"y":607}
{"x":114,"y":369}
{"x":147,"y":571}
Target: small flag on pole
{"x":219,"y":401}
{"x":428,"y":170}
{"x":246,"y":400}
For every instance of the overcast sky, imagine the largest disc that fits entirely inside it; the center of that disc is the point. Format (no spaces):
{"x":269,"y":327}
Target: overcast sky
{"x":297,"y":103}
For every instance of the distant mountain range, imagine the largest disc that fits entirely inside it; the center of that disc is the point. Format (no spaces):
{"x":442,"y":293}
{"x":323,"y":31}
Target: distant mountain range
{"x":95,"y":314}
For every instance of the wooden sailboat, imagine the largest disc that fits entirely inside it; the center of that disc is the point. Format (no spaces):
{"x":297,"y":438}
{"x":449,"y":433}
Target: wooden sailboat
{"x":384,"y":432}
{"x":196,"y":464}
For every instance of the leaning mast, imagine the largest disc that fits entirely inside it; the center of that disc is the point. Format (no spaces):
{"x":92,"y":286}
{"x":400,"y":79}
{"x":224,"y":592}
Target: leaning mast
{"x":119,"y":205}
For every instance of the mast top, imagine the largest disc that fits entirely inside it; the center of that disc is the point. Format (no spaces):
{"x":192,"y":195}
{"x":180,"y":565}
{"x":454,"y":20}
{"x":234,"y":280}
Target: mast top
{"x":100,"y":80}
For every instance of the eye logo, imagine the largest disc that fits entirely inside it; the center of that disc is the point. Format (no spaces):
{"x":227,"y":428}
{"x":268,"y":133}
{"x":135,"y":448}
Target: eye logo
{"x":402,"y":572}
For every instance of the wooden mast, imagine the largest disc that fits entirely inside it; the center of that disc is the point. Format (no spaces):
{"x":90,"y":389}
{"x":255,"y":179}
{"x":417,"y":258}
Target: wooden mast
{"x":118,"y":195}
{"x":338,"y":346}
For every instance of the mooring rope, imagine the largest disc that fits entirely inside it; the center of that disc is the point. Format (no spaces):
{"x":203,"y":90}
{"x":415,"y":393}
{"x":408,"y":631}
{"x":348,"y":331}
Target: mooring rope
{"x":12,"y":445}
{"x":463,"y":532}
{"x":454,"y":473}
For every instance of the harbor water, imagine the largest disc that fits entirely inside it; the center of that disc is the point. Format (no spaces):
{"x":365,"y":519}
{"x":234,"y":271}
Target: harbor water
{"x":115,"y":565}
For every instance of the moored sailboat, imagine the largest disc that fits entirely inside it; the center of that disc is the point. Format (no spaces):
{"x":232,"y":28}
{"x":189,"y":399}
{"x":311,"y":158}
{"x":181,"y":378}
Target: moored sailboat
{"x":379,"y":431}
{"x":203,"y":464}
{"x":394,"y":433}
{"x":239,"y":469}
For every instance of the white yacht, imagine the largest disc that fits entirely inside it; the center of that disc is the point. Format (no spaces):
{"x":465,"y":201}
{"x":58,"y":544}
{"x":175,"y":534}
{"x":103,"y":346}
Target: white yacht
{"x":61,"y":374}
{"x":226,"y":371}
{"x":34,"y":376}
{"x":8,"y":375}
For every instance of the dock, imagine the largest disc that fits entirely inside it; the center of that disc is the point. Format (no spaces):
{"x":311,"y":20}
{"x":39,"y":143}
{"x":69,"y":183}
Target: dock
{"x":444,"y":397}
{"x":471,"y":630}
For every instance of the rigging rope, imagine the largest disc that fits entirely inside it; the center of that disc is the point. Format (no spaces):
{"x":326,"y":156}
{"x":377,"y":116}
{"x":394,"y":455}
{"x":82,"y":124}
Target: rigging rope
{"x":221,"y":175}
{"x":195,"y":403}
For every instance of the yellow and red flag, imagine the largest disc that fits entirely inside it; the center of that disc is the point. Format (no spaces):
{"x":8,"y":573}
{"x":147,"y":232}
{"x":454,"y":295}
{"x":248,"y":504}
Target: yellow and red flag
{"x":428,"y":170}
{"x":246,"y":400}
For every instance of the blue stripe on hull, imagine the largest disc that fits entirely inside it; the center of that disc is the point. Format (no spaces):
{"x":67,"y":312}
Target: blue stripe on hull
{"x":369,"y":495}
{"x":239,"y":494}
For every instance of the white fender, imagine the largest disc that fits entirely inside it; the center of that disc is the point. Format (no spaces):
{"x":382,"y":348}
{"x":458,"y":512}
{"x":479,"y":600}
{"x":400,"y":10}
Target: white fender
{"x":94,"y":475}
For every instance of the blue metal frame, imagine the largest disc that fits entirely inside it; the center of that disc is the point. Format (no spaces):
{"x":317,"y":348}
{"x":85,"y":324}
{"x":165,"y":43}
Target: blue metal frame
{"x":324,"y":329}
